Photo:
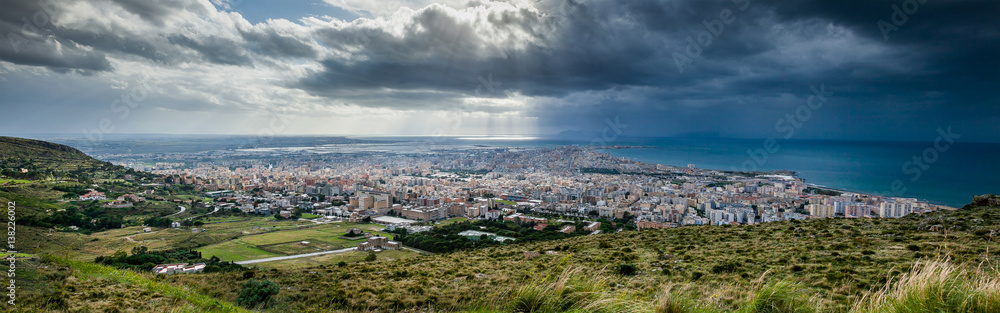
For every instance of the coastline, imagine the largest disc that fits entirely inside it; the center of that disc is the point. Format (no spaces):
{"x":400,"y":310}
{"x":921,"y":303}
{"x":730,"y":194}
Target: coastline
{"x":792,"y":173}
{"x":941,"y":206}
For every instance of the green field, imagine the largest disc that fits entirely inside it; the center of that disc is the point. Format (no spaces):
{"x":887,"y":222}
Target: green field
{"x":235,"y":250}
{"x":108,"y":242}
{"x":452,"y":221}
{"x":298,"y":247}
{"x":309,"y":216}
{"x":287,"y":236}
{"x":504,"y":202}
{"x":278,"y":242}
{"x":334,"y":258}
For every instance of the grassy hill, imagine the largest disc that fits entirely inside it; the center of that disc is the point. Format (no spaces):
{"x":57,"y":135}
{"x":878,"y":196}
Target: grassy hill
{"x":42,"y":158}
{"x":40,"y":177}
{"x":42,"y":180}
{"x":944,"y":261}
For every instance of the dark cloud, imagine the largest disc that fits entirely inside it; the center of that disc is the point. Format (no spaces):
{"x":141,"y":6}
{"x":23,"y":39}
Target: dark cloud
{"x":215,"y":49}
{"x":270,"y":42}
{"x":28,"y":38}
{"x":624,"y":51}
{"x":123,"y":44}
{"x":157,"y":12}
{"x":579,"y":60}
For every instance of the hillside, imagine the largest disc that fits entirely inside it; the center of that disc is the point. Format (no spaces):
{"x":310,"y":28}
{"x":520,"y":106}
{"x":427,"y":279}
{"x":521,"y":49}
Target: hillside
{"x":832,"y":263}
{"x":41,"y":159}
{"x":45,"y":181}
{"x":943,"y":261}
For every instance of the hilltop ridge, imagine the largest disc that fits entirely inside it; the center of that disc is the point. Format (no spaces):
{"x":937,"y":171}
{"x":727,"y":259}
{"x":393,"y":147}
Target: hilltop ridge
{"x":28,"y":158}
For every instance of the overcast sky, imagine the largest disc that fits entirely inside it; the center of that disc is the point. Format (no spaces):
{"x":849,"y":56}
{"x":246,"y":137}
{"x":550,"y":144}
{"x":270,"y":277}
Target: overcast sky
{"x":733,"y":68}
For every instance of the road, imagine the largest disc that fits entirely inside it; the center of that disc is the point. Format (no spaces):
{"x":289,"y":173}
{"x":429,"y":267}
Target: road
{"x":182,"y":211}
{"x":197,"y":216}
{"x":289,"y":257}
{"x":416,"y":250}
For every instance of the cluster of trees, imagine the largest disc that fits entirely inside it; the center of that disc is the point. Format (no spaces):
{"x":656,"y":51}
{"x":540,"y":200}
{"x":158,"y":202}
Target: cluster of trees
{"x":142,"y":259}
{"x":158,"y":222}
{"x":824,"y":192}
{"x":30,"y":175}
{"x":440,"y":239}
{"x":595,"y":170}
{"x":445,"y":239}
{"x":607,"y":225}
{"x":468,"y":173}
{"x":719,"y":184}
{"x":89,"y":219}
{"x":71,"y":191}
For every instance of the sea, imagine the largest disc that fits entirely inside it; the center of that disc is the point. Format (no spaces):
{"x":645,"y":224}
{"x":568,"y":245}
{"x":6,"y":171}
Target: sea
{"x":944,"y":173}
{"x":950,"y":177}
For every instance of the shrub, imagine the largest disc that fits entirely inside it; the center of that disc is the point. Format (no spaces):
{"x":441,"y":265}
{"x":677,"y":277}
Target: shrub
{"x":725,"y":267}
{"x":257,"y":293}
{"x":697,"y":275}
{"x":626,"y":270}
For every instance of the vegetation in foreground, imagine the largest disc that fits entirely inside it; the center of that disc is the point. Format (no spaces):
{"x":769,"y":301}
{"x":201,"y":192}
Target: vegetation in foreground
{"x":938,"y":262}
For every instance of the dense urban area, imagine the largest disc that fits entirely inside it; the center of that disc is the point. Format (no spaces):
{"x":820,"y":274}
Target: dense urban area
{"x":538,"y":186}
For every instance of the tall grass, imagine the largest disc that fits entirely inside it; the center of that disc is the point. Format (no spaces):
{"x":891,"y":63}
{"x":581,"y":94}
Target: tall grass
{"x":201,"y":302}
{"x":671,"y":302}
{"x":778,"y":297}
{"x":936,"y":286}
{"x":570,"y":291}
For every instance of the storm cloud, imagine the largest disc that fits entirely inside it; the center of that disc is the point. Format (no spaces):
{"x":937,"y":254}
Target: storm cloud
{"x":897,"y":69}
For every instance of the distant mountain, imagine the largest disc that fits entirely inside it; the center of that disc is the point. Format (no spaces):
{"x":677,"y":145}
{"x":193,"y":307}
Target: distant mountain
{"x":154,"y":143}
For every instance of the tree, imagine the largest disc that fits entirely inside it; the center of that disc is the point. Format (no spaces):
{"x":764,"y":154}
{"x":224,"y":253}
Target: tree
{"x":158,"y":222}
{"x":370,"y":257}
{"x":256,"y":293}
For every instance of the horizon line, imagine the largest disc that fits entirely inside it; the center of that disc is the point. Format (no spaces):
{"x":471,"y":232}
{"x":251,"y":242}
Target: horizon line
{"x":498,"y":136}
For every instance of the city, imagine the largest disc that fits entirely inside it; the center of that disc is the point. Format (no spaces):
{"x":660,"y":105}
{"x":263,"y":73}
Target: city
{"x":576,"y":182}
